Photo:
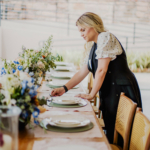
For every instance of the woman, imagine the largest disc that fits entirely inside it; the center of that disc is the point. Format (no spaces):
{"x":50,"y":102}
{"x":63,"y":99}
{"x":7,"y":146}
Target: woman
{"x":107,"y":61}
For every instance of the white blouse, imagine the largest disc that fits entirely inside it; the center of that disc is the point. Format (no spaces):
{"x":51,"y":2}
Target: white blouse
{"x":107,"y":46}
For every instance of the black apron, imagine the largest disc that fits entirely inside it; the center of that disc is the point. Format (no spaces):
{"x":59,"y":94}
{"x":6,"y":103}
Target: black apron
{"x":118,"y":79}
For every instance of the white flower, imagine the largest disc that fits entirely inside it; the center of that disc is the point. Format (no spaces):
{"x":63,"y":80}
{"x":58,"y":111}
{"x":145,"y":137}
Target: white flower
{"x":40,"y":64}
{"x":27,"y":70}
{"x":9,"y":82}
{"x":25,"y":76}
{"x":30,"y":84}
{"x":13,"y":101}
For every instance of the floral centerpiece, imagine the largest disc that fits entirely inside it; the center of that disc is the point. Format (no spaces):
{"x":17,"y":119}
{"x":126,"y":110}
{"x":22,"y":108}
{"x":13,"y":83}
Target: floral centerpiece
{"x":20,"y":91}
{"x":35,"y":63}
{"x":11,"y":67}
{"x":38,"y":62}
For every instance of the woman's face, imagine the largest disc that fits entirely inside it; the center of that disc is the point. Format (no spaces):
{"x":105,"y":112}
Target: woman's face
{"x":88,"y":33}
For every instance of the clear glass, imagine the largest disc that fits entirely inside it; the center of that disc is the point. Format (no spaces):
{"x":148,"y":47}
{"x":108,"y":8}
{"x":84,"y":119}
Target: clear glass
{"x":49,"y":101}
{"x":9,"y":127}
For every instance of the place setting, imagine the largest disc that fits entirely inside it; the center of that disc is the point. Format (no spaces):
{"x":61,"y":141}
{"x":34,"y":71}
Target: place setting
{"x":68,"y":123}
{"x":56,"y":83}
{"x":59,"y":63}
{"x":66,"y":102}
{"x":64,"y":68}
{"x":62,"y":75}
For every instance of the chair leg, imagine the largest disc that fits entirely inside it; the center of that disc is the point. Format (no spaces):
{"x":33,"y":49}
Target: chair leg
{"x":115,"y":137}
{"x":101,"y":115}
{"x":99,"y":112}
{"x":95,"y":99}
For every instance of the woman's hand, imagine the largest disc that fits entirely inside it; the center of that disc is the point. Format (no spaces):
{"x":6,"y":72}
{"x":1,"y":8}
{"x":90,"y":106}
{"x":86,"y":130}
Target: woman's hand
{"x":58,"y":91}
{"x":85,"y":96}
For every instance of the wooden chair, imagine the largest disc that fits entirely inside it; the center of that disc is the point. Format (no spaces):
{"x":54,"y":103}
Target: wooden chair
{"x":94,"y":101}
{"x":140,"y":135}
{"x":125,"y":114}
{"x":90,"y":86}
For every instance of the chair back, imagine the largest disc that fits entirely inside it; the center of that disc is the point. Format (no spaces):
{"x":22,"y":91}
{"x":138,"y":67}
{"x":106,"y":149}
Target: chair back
{"x":140,"y":136}
{"x":90,"y":82}
{"x":124,"y":119}
{"x":90,"y":86}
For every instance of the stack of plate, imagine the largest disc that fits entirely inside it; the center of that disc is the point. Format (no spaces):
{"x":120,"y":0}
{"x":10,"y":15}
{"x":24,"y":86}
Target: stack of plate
{"x":57,"y":84}
{"x":68,"y":102}
{"x":62,"y":63}
{"x":67,"y":123}
{"x":63,"y":68}
{"x":62,"y":75}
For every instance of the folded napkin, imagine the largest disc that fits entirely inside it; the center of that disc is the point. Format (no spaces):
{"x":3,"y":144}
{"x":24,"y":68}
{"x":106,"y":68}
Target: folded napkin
{"x":67,"y":122}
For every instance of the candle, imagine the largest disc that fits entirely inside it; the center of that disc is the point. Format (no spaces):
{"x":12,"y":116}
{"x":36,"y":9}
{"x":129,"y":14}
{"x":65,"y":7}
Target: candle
{"x":7,"y":142}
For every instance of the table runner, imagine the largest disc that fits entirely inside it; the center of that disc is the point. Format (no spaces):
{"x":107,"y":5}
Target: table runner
{"x":48,"y":143}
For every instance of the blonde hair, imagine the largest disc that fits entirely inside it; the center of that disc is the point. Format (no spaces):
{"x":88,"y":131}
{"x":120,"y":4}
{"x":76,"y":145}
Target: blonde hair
{"x":91,"y":20}
{"x":85,"y":56}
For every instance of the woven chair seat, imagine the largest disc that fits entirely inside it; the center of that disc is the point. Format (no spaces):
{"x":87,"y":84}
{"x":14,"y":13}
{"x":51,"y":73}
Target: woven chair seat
{"x":115,"y":147}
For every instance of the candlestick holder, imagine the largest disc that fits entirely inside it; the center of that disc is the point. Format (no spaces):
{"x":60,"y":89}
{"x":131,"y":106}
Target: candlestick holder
{"x":9,"y":127}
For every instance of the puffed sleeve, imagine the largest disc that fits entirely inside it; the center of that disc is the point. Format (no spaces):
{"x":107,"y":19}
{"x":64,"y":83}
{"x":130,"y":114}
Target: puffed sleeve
{"x":108,"y":46}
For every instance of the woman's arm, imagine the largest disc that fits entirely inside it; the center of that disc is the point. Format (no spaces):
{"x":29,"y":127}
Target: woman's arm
{"x":101,"y":71}
{"x":76,"y":79}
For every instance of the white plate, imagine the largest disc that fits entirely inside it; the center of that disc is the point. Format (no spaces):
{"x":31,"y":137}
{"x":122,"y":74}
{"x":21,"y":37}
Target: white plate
{"x":67,"y":100}
{"x":68,"y":121}
{"x":56,"y":83}
{"x":58,"y":75}
{"x":63,"y":68}
{"x":62,"y":63}
{"x":71,"y":147}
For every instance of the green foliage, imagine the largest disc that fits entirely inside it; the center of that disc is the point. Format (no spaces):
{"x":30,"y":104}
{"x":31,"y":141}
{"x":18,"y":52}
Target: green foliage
{"x":42,"y":101}
{"x":40,"y":61}
{"x":17,"y":93}
{"x":59,"y":58}
{"x":1,"y":98}
{"x":9,"y":66}
{"x":138,"y":60}
{"x":71,"y":56}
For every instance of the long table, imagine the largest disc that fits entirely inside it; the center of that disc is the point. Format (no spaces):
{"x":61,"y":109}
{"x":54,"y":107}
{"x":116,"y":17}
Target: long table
{"x":36,"y":139}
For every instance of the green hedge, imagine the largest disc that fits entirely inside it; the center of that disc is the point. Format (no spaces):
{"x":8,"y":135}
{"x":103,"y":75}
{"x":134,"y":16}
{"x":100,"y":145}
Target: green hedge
{"x":139,"y":61}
